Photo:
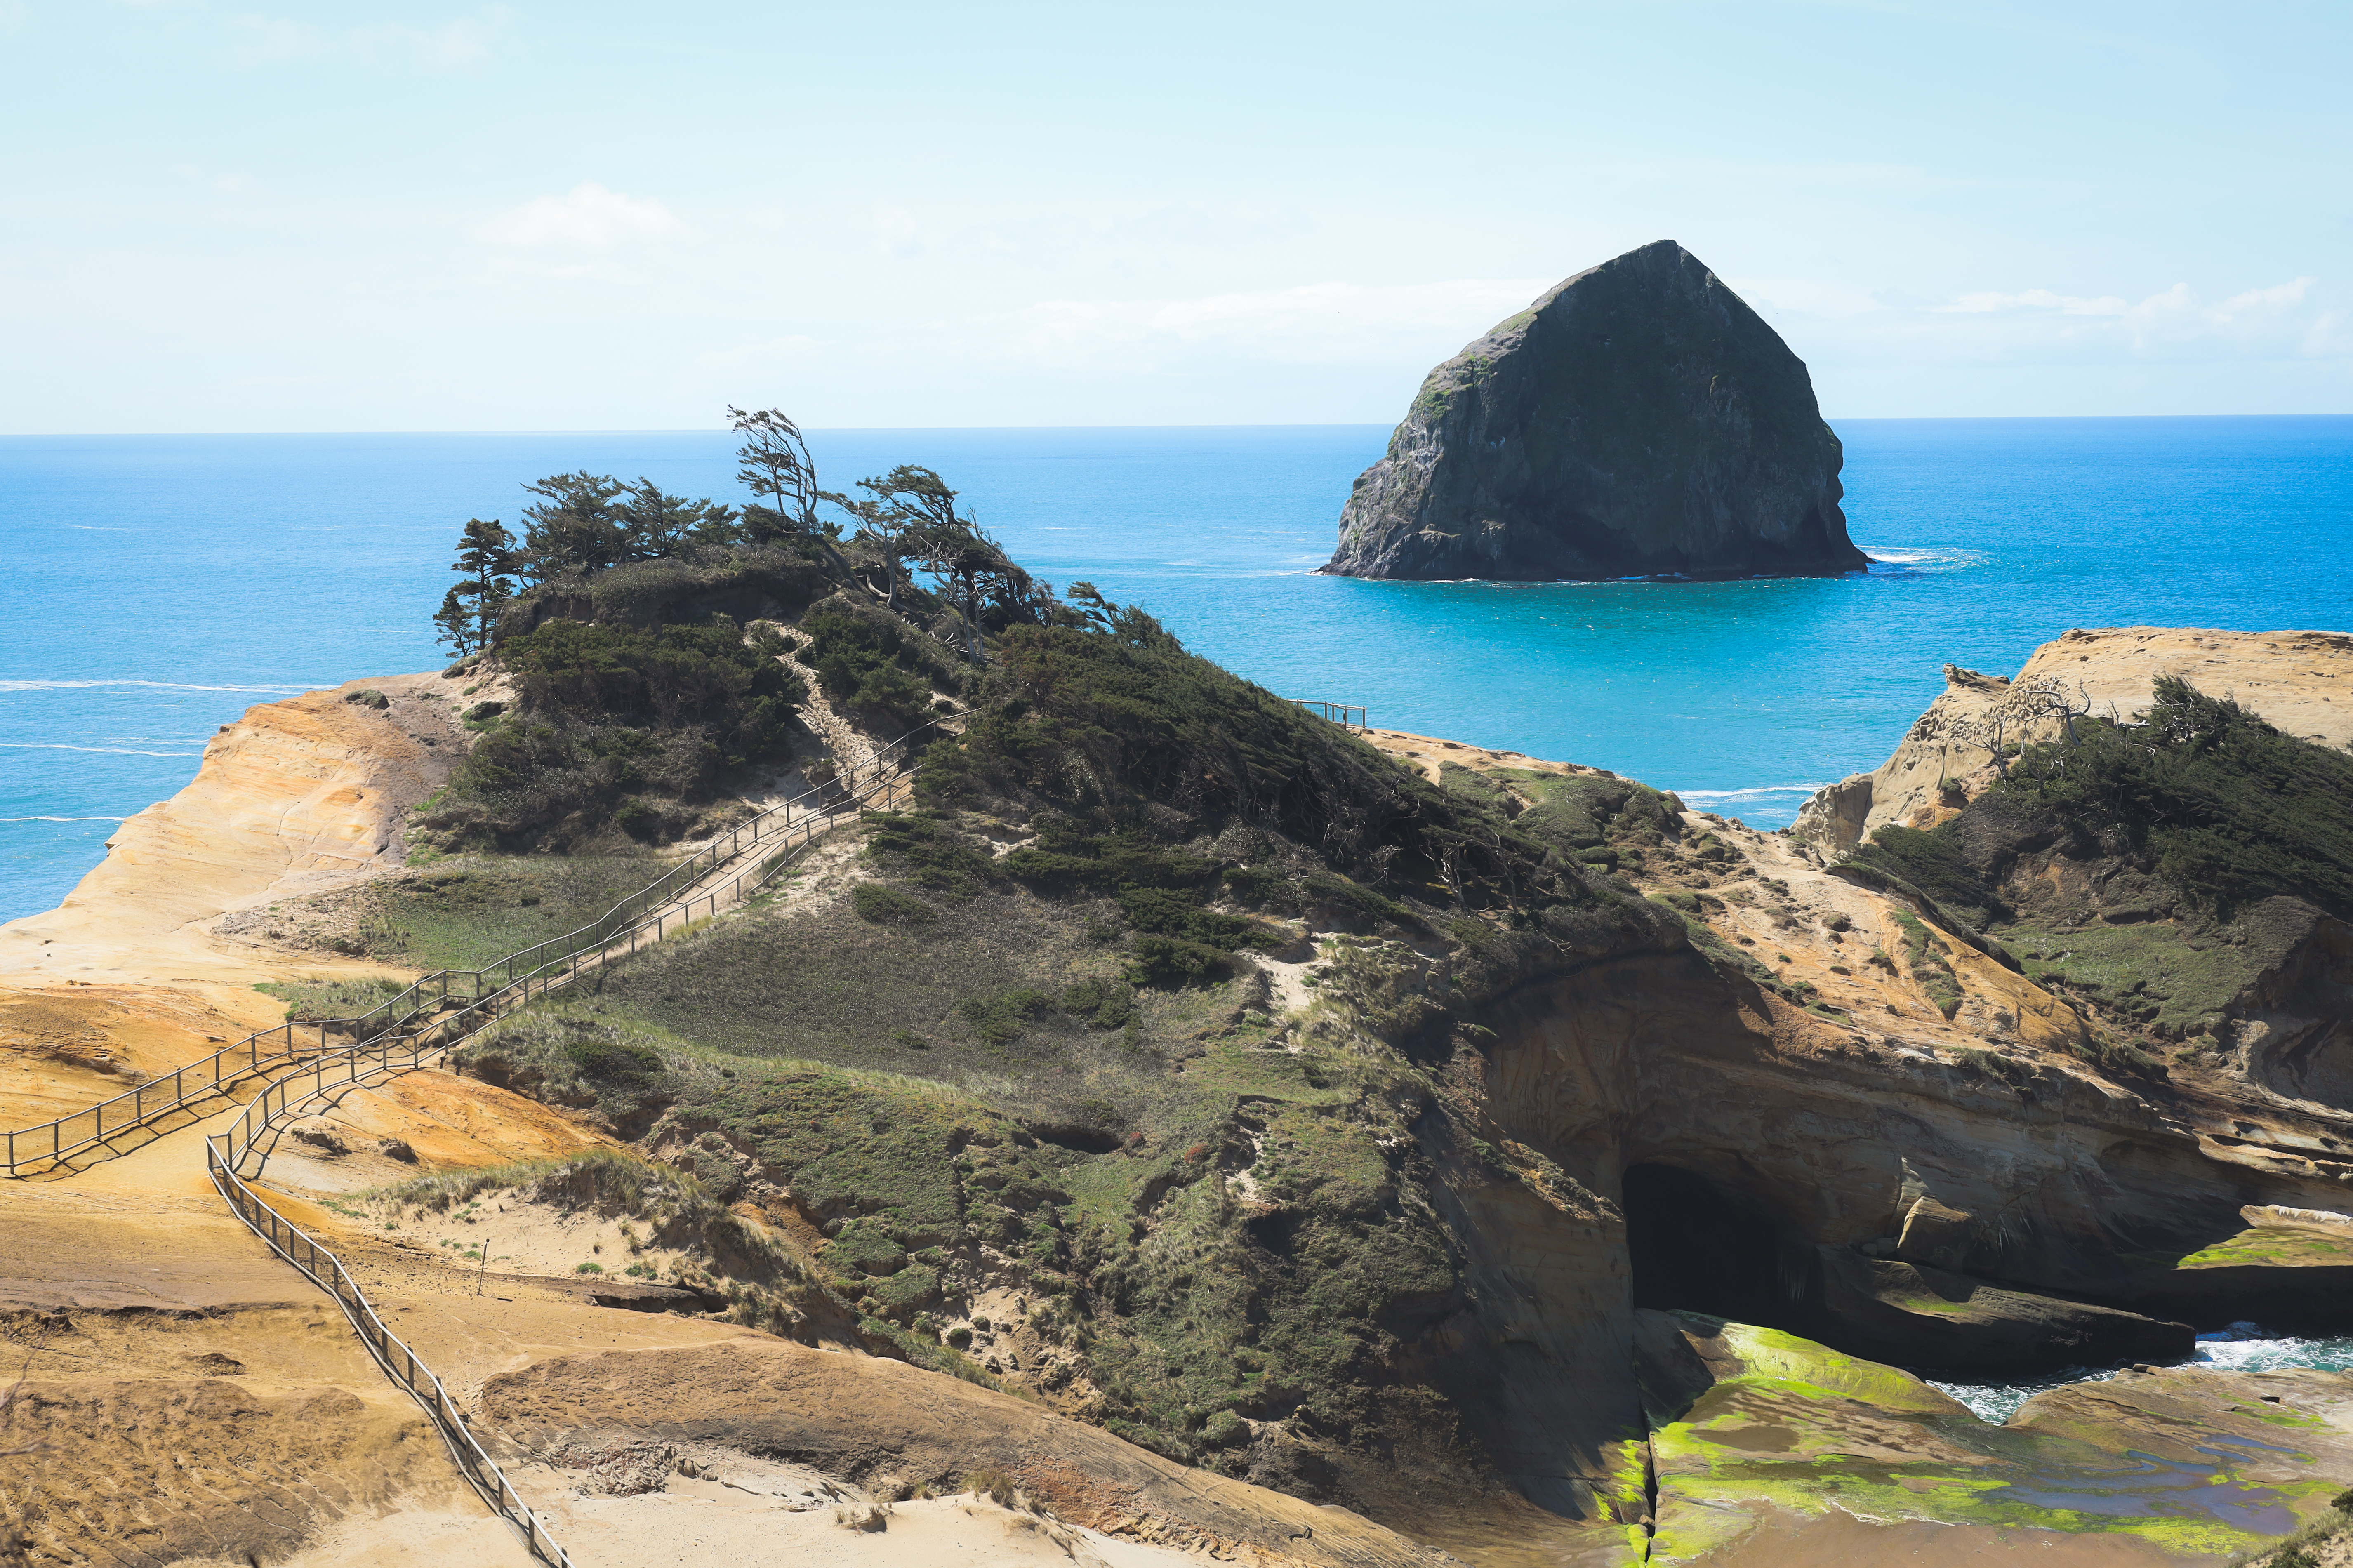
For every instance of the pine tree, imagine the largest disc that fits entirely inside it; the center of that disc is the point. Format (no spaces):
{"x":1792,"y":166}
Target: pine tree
{"x":486,"y":554}
{"x":775,"y":462}
{"x":907,"y":501}
{"x":575,"y":527}
{"x":456,"y":619}
{"x":655,"y":525}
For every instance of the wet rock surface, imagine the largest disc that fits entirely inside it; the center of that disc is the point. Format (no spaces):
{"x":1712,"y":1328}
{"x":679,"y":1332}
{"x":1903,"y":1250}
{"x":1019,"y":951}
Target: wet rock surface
{"x":1756,"y":1434}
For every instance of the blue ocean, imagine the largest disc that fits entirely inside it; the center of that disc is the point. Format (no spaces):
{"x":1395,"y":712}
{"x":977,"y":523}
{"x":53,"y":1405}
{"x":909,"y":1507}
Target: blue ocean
{"x":155,"y":586}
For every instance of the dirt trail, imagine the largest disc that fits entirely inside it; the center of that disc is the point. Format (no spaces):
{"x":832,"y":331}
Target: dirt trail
{"x":849,"y":747}
{"x":199,"y":1400}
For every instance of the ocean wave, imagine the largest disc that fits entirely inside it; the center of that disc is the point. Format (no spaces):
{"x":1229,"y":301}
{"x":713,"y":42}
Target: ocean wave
{"x":1907,"y":558}
{"x":64,"y":819}
{"x":1717,"y":796}
{"x":158,"y":685}
{"x":109,"y":751}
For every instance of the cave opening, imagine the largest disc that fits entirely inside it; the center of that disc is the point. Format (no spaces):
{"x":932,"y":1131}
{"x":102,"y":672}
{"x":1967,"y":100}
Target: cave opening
{"x":1694,"y":1250}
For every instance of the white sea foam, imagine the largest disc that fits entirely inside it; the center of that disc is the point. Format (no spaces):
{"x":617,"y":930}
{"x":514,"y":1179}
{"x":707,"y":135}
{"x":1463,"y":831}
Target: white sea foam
{"x":1919,"y":560}
{"x":2241,"y":1347}
{"x":108,"y":750}
{"x":1759,"y":792}
{"x":2250,"y":1347}
{"x":157,"y":685}
{"x":64,"y":819}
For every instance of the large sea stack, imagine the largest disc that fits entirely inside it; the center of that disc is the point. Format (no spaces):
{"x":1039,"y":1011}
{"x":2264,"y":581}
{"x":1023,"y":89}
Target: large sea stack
{"x":1639,"y":419}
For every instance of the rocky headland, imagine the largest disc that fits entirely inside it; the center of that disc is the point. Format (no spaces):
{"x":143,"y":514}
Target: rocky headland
{"x":2301,"y":682}
{"x":1202,"y":1129}
{"x":1639,"y":419}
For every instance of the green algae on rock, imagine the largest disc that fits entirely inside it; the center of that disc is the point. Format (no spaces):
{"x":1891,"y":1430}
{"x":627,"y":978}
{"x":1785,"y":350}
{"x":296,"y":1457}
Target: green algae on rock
{"x":1637,"y":419}
{"x":1750,"y":1427}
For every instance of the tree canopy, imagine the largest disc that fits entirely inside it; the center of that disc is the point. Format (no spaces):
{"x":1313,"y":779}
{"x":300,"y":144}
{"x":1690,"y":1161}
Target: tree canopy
{"x":486,"y":555}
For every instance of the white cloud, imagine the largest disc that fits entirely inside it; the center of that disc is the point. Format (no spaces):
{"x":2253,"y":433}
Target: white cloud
{"x":1313,"y":322}
{"x":2034,"y":300}
{"x":452,"y":45}
{"x":793,"y":346}
{"x":2281,"y":322}
{"x":588,"y":214}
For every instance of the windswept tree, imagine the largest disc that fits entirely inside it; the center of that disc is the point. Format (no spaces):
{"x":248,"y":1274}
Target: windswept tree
{"x":774,"y":462}
{"x":983,"y":579}
{"x":900,"y":508}
{"x":486,"y":555}
{"x":655,"y":525}
{"x":574,"y":527}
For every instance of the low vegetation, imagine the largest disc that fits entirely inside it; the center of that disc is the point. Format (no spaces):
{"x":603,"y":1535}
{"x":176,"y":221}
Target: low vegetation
{"x":2155,"y":871}
{"x":616,"y":724}
{"x":869,"y":661}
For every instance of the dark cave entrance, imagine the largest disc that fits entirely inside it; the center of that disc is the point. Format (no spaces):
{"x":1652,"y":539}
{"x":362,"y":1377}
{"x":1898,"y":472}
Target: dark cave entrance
{"x":1696,"y":1250}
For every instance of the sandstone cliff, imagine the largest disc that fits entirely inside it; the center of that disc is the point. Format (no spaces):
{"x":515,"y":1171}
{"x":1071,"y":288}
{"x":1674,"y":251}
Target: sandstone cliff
{"x":294,"y":798}
{"x":134,"y":973}
{"x":1637,"y":419}
{"x":2301,"y":682}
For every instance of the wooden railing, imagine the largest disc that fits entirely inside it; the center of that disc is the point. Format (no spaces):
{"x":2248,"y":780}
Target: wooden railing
{"x":237,"y":1154}
{"x":47,"y":1145}
{"x":1349,"y":715}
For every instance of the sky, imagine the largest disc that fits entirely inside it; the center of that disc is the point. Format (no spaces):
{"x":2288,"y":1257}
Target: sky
{"x":272,"y":216}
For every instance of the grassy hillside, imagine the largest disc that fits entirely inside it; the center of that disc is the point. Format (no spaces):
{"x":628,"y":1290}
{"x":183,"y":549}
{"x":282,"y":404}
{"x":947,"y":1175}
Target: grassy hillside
{"x":1028,"y":1058}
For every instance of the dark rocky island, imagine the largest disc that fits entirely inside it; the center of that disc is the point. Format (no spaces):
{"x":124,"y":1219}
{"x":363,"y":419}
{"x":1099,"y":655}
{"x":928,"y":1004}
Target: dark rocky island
{"x":1639,"y":419}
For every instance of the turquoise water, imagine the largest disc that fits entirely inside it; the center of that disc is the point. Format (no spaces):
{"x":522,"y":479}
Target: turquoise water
{"x":155,"y":586}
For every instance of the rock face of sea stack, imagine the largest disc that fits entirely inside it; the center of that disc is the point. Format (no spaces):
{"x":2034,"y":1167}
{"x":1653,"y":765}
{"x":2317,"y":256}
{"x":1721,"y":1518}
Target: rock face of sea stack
{"x":1639,"y":419}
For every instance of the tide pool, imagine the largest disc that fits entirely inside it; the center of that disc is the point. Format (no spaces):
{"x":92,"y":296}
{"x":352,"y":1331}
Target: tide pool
{"x":155,"y":586}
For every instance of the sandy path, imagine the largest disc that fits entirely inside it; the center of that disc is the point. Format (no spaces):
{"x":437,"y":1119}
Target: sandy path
{"x":196,"y":1395}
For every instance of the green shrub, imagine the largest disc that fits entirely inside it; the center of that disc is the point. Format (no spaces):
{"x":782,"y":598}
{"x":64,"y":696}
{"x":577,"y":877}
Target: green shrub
{"x":1165,"y":913}
{"x":1105,"y":1003}
{"x":614,"y":1061}
{"x":999,"y":1018}
{"x":670,"y":676}
{"x":1256,"y":884}
{"x":1933,"y":861}
{"x":868,"y":661}
{"x":886,"y":905}
{"x":864,"y":1248}
{"x":923,"y":849}
{"x":1121,"y":724}
{"x":2230,"y":810}
{"x":610,"y":716}
{"x":1342,"y":894}
{"x":906,"y":1292}
{"x":1169,"y":960}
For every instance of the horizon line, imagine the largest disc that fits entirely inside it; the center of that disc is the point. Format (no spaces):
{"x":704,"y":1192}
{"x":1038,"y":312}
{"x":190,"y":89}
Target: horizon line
{"x":1270,"y":424}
